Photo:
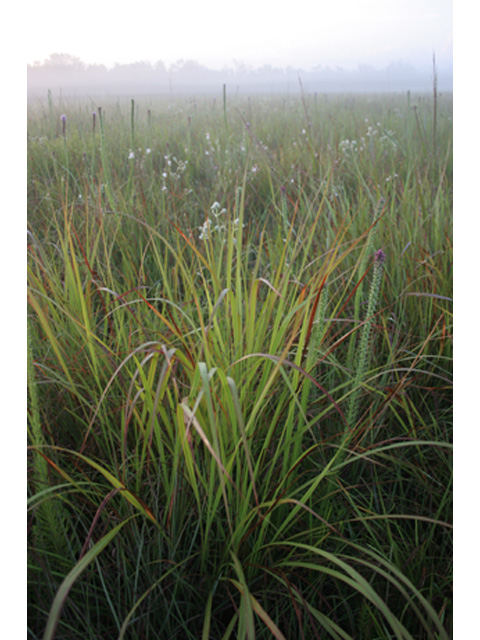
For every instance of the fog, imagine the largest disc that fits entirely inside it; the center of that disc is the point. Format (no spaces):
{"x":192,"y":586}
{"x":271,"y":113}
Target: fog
{"x":70,"y":76}
{"x":256,"y":45}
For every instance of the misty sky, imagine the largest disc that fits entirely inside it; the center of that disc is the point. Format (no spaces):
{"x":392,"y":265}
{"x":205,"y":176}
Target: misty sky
{"x":297,"y":33}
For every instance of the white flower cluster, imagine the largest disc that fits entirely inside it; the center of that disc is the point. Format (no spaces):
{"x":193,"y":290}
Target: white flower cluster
{"x":353,"y":146}
{"x":215,"y":209}
{"x":35,"y":139}
{"x":131,"y":154}
{"x":209,"y":227}
{"x":388,"y":178}
{"x":205,"y":230}
{"x":173,"y":168}
{"x":213,"y":146}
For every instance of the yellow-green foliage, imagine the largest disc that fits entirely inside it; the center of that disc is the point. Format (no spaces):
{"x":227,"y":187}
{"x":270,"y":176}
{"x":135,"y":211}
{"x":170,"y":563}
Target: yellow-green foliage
{"x":240,"y":319}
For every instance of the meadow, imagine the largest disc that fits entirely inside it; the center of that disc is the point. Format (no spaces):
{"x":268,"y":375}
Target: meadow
{"x":240,"y":367}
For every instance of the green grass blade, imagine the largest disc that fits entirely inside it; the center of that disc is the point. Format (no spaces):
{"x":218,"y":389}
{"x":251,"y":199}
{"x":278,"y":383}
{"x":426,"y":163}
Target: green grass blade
{"x":72,"y":577}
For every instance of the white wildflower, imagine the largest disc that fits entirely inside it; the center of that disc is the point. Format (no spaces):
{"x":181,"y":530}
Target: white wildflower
{"x":204,"y":230}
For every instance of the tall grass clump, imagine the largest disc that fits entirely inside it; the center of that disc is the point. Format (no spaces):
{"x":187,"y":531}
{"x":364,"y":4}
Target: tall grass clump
{"x":240,"y":368}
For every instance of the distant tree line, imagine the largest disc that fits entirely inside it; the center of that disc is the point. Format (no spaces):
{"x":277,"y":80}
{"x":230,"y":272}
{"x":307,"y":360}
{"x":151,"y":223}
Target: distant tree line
{"x":67,"y":73}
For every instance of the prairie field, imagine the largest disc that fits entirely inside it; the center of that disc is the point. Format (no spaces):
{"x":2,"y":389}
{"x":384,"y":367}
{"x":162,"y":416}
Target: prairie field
{"x":240,"y":367}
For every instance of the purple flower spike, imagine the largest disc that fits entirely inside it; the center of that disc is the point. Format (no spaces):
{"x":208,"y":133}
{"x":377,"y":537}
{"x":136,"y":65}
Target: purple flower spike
{"x":64,"y":123}
{"x":380,"y":256}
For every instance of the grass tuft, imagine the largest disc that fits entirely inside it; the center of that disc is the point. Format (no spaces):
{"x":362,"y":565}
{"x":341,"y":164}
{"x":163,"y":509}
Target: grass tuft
{"x":240,"y":409}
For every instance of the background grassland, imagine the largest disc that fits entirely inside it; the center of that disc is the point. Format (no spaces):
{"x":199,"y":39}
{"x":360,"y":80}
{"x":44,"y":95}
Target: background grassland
{"x":240,"y":367}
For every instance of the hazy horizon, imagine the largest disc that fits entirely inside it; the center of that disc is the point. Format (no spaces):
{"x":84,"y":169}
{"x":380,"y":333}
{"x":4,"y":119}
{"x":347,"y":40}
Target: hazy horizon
{"x":347,"y":34}
{"x":69,"y":75}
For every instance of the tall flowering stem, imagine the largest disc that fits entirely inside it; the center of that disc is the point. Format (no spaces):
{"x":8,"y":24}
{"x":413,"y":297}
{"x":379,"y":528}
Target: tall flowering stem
{"x":363,"y":349}
{"x":104,"y":159}
{"x":132,"y":122}
{"x":64,"y":134}
{"x":359,"y":297}
{"x":48,"y":510}
{"x":284,"y":210}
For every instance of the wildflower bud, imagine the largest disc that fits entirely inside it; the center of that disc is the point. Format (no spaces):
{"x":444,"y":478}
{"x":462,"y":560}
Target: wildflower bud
{"x":364,"y":347}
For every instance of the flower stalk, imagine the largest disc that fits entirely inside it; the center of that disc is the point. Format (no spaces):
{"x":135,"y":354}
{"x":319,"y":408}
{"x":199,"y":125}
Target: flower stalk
{"x":363,"y":350}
